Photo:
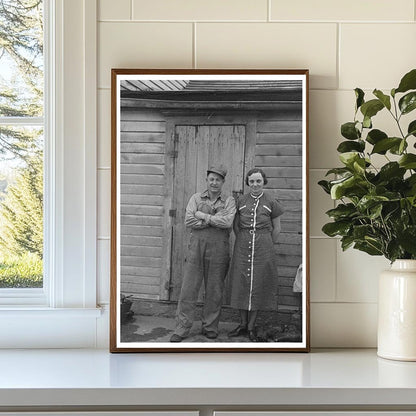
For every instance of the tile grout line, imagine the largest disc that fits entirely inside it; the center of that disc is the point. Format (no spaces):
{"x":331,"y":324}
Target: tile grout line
{"x":194,"y":62}
{"x":254,"y":21}
{"x":131,"y":10}
{"x":338,"y":63}
{"x":336,"y":270}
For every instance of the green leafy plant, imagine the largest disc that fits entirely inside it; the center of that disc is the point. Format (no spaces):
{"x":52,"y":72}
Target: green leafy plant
{"x":376,"y":210}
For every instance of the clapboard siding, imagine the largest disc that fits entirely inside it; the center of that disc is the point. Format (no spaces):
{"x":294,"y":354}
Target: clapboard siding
{"x":141,"y":280}
{"x":142,"y":230}
{"x":140,"y":251}
{"x":141,"y":199}
{"x":279,"y":138}
{"x":143,"y":126}
{"x":133,"y":240}
{"x":142,"y":167}
{"x":279,"y":154}
{"x":144,"y":115}
{"x":290,"y":238}
{"x":143,"y":148}
{"x":148,"y":137}
{"x":151,"y":159}
{"x":289,"y":249}
{"x":138,"y":179}
{"x":291,"y":227}
{"x":140,"y":271}
{"x":133,"y":287}
{"x":140,"y":261}
{"x":284,"y":183}
{"x":283,"y":161}
{"x":280,"y":172}
{"x":140,"y":219}
{"x":276,"y":126}
{"x":279,"y":150}
{"x":142,"y":189}
{"x":149,"y":210}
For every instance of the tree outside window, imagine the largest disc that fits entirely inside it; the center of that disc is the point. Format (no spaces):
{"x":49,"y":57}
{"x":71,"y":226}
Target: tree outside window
{"x":21,"y":143}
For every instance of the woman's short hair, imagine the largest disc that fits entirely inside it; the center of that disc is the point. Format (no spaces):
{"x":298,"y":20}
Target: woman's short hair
{"x":256,"y":170}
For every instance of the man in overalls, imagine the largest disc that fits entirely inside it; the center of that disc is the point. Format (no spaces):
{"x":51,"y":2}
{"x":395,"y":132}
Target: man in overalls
{"x":210,"y":216}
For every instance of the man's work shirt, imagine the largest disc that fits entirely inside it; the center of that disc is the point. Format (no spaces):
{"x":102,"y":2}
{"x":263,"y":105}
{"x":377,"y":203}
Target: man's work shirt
{"x":219,"y":213}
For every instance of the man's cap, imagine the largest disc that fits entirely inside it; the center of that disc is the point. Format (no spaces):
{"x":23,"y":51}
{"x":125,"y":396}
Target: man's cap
{"x":220,"y":170}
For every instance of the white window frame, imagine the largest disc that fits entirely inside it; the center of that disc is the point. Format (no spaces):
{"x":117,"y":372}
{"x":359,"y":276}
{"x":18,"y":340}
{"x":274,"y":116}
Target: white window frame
{"x":29,"y":317}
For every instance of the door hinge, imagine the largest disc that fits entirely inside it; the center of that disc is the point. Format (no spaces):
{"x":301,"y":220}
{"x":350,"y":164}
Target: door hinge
{"x":173,"y":154}
{"x":172,"y":213}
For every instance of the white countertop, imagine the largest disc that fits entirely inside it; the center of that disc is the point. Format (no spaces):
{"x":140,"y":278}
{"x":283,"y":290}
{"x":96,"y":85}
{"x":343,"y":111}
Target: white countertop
{"x":96,"y":377}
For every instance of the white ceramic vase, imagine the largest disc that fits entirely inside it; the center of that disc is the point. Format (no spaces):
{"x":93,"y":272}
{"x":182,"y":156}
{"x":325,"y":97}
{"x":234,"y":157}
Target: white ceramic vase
{"x":397,"y":312}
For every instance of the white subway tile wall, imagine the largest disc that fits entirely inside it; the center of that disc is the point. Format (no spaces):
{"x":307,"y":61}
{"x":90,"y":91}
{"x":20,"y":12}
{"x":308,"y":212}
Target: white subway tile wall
{"x":200,"y":10}
{"x":344,"y":44}
{"x":270,"y":45}
{"x":340,"y":11}
{"x":114,"y":10}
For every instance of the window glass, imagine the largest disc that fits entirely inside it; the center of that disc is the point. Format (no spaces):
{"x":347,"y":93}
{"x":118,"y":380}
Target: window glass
{"x":21,"y":143}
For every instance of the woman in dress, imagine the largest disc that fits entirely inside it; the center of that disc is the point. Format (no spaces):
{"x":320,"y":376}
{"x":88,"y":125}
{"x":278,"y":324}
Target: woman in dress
{"x":253,"y":270}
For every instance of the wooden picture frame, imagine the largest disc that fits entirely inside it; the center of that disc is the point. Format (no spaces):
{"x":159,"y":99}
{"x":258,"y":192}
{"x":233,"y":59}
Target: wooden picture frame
{"x":172,"y":130}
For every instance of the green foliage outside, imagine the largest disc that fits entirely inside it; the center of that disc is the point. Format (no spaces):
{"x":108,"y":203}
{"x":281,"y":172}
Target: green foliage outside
{"x":21,"y":147}
{"x":376,"y":211}
{"x":21,"y":271}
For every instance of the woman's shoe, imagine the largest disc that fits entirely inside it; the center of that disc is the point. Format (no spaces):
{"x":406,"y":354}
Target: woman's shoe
{"x":239,"y":331}
{"x":252,"y":335}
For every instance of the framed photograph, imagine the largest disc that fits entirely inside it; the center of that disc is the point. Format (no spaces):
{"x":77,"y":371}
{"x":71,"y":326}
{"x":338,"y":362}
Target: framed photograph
{"x":209,"y":211}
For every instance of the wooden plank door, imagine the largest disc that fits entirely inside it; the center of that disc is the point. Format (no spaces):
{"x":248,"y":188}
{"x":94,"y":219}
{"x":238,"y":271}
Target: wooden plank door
{"x":197,"y":147}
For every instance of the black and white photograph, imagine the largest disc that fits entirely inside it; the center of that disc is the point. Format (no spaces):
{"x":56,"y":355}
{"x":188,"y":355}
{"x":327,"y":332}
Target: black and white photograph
{"x":209,"y":215}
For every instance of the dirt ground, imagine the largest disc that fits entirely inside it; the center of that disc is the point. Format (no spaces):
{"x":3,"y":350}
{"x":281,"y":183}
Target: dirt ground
{"x":142,"y":328}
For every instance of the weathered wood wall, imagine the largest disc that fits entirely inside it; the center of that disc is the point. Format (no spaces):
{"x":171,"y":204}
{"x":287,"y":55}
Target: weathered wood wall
{"x":142,"y":168}
{"x":278,"y":152}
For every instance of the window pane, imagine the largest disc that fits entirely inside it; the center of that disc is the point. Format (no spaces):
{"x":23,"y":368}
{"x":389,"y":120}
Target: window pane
{"x":21,"y":58}
{"x":21,"y":207}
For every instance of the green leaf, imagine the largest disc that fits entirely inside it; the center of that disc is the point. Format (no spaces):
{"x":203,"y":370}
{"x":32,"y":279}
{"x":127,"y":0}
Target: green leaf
{"x":398,"y":149}
{"x":346,"y":242}
{"x":361,"y":231}
{"x":371,"y":108}
{"x":342,"y":211}
{"x":374,"y":136}
{"x":336,"y":228}
{"x":367,"y":122}
{"x":348,"y":158}
{"x":368,"y":248}
{"x":391,"y":170}
{"x":385,"y":99}
{"x":375,"y":212}
{"x":411,"y":130}
{"x":325,"y":186}
{"x":359,"y":165}
{"x":383,"y":145}
{"x":408,"y":82}
{"x":350,"y":131}
{"x":349,"y":146}
{"x":407,"y":239}
{"x":341,"y":188}
{"x":408,"y":161}
{"x":369,"y":201}
{"x":393,"y":250}
{"x":359,"y":94}
{"x":338,"y":171}
{"x":408,"y":103}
